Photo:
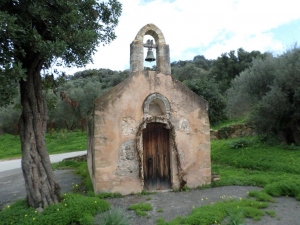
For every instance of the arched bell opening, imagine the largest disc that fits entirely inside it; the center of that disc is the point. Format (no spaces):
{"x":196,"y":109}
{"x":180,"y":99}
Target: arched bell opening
{"x":149,"y":53}
{"x":162,"y":55}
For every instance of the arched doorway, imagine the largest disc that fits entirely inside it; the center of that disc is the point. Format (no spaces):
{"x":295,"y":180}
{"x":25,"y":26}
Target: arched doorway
{"x":156,"y":157}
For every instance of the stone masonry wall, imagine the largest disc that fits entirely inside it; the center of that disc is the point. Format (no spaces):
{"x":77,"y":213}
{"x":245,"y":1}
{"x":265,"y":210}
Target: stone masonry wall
{"x":117,"y":117}
{"x":233,"y":131}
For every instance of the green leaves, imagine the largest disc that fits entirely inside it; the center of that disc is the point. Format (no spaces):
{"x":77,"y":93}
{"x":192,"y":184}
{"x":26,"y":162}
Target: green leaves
{"x":208,"y":89}
{"x":33,"y":34}
{"x":269,"y":90}
{"x":9,"y":77}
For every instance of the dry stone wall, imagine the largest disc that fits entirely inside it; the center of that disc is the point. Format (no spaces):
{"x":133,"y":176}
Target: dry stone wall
{"x":233,"y":131}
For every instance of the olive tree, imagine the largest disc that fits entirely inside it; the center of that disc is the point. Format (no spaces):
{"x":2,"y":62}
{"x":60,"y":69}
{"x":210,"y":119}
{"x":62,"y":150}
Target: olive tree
{"x":270,"y":92}
{"x":33,"y":35}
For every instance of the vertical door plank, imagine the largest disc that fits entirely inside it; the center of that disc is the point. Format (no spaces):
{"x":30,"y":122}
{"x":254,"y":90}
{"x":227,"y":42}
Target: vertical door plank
{"x":156,"y":159}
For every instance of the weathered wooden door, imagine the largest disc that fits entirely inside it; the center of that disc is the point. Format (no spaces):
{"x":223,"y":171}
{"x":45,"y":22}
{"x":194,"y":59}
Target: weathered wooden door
{"x":156,"y":144}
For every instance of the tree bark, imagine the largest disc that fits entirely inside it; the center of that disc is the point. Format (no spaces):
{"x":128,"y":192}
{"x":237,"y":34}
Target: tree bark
{"x":41,"y":187}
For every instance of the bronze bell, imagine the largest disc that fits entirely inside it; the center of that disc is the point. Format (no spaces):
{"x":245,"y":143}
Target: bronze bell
{"x":150,"y":56}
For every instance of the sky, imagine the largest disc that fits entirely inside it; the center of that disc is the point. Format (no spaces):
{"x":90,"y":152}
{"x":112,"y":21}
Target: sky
{"x":203,"y":27}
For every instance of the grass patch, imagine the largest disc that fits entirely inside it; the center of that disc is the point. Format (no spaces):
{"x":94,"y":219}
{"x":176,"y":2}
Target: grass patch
{"x":10,"y":146}
{"x":59,"y":142}
{"x":76,"y":141}
{"x":261,"y":196}
{"x":290,"y":188}
{"x":258,"y":164}
{"x":271,"y":213}
{"x":160,"y":210}
{"x":141,"y":208}
{"x":230,"y":175}
{"x":73,"y":209}
{"x":216,"y":213}
{"x":255,"y":156}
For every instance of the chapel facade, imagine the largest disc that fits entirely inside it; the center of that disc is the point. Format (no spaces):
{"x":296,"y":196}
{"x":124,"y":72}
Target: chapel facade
{"x":149,"y":132}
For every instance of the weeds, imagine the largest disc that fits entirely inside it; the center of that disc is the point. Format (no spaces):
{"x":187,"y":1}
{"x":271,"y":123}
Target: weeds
{"x":271,"y":213}
{"x":141,"y":208}
{"x":144,"y":192}
{"x":104,"y":195}
{"x":186,"y":189}
{"x":160,"y":210}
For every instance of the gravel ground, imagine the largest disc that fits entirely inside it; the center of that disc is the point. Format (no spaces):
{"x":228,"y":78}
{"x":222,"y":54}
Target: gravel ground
{"x":173,"y":204}
{"x":12,"y":186}
{"x":176,"y":204}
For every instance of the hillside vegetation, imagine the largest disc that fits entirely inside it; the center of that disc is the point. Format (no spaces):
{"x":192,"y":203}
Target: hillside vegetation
{"x":251,"y":86}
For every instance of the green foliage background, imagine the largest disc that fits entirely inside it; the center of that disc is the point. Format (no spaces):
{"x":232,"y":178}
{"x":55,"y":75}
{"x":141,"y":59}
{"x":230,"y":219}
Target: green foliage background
{"x":270,"y":92}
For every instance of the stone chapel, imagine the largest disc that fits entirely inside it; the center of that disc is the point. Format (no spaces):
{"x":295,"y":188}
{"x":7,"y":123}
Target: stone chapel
{"x":149,"y":132}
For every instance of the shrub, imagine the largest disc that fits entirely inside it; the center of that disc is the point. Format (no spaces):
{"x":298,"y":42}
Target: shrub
{"x":115,"y":216}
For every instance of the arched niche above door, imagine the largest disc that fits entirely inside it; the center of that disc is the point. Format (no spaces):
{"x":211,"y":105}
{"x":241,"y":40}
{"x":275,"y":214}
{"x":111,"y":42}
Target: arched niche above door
{"x":156,"y":105}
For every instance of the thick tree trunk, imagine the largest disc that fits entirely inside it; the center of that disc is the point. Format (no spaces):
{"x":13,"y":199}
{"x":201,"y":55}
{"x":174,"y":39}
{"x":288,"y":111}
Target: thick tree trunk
{"x":41,"y":187}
